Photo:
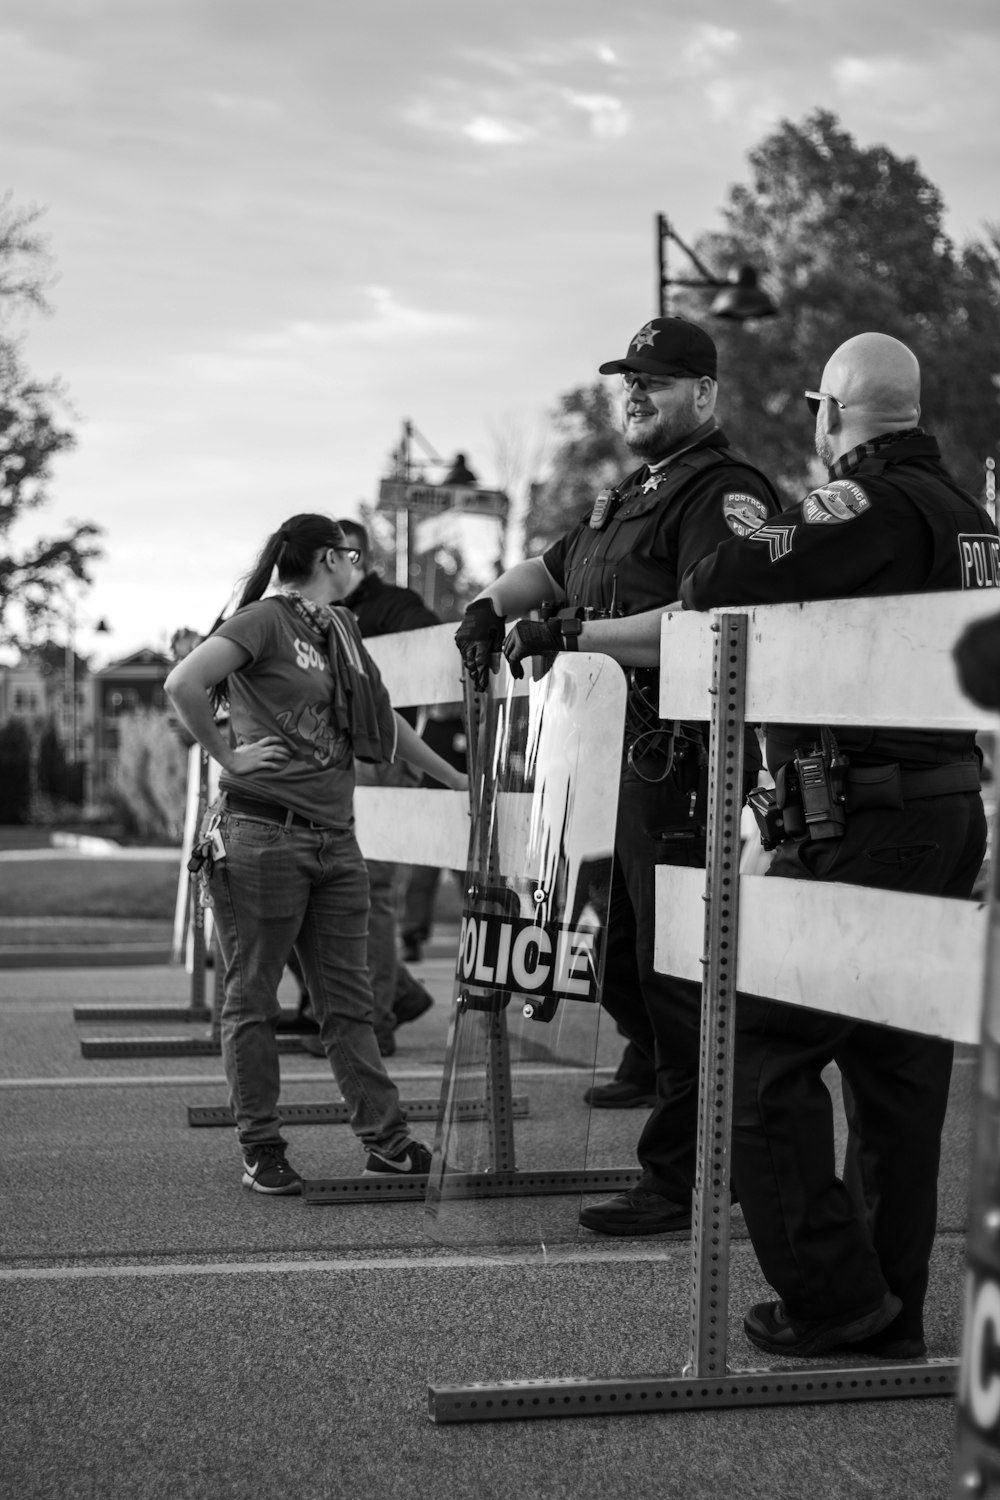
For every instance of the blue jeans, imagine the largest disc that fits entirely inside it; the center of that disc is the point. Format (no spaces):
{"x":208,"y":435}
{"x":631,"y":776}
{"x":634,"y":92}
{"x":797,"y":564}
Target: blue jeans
{"x":283,"y":886}
{"x":383,"y":881}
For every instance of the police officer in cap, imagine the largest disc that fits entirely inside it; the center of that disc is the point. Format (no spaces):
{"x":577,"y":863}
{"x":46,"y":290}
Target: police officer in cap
{"x":849,"y":1258}
{"x":611,"y":576}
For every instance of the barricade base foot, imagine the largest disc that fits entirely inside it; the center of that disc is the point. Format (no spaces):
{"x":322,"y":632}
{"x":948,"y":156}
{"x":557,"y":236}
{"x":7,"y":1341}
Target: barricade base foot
{"x":516,"y":1400}
{"x":334,"y":1113}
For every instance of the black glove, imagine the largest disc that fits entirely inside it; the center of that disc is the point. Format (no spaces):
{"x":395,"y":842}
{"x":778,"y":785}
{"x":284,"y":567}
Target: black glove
{"x":478,"y":637}
{"x":533,"y":638}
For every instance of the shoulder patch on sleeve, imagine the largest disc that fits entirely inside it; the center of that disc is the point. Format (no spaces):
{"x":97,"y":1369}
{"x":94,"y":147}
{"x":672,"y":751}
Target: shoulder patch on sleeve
{"x":840,"y":500}
{"x":743,"y":513}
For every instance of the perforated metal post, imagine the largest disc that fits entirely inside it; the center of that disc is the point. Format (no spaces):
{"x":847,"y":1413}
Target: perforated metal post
{"x":710,"y":1221}
{"x":499,"y":1093}
{"x":199,"y":1008}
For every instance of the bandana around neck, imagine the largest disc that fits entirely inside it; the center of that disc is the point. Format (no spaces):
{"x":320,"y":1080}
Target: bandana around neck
{"x":316,"y":615}
{"x":361,"y":705}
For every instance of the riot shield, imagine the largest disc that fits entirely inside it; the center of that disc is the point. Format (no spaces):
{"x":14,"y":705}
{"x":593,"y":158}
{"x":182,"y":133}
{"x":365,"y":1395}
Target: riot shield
{"x":977,"y":1450}
{"x":545,"y":762}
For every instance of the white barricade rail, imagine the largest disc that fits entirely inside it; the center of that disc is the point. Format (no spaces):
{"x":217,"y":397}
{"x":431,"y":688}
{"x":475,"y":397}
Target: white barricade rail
{"x":416,"y":825}
{"x":909,"y":961}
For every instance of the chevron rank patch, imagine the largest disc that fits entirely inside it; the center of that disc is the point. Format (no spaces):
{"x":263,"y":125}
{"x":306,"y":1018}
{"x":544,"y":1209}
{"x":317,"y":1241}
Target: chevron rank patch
{"x":743,"y":513}
{"x":840,"y":500}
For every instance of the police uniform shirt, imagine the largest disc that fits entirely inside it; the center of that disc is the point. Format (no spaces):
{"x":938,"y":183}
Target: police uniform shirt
{"x":630,"y":553}
{"x":896,"y":523}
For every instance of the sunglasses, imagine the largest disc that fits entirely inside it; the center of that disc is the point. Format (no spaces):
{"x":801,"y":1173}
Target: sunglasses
{"x":813,"y":398}
{"x":647,"y":382}
{"x":351,"y":552}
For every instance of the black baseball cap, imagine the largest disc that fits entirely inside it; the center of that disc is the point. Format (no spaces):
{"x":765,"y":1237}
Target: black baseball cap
{"x":668,"y":346}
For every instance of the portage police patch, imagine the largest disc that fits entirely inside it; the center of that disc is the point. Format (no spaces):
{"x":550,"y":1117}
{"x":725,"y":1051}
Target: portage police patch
{"x":743,"y":513}
{"x":840,"y":501}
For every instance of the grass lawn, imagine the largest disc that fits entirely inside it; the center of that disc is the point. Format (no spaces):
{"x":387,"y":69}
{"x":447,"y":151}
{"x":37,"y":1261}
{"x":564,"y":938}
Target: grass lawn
{"x":89,"y":887}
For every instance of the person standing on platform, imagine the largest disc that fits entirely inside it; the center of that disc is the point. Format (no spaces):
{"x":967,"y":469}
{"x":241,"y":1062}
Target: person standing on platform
{"x":850,"y":1258}
{"x":279,"y":858}
{"x":611,"y":577}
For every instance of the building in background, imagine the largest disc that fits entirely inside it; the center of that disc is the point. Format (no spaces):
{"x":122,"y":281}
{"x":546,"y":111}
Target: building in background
{"x":85,"y":707}
{"x":123,"y":687}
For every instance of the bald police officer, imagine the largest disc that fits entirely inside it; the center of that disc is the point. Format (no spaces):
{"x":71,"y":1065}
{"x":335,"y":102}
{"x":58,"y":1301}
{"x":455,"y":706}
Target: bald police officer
{"x":849,"y":1258}
{"x":611,"y":576}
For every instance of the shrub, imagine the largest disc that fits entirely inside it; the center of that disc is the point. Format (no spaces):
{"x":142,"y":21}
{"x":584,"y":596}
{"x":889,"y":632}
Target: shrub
{"x":151,"y":777}
{"x":15,"y":772}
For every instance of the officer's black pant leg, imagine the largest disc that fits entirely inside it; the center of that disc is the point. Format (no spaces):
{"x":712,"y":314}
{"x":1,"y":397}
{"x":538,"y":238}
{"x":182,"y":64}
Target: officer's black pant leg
{"x":672,"y":1006}
{"x":896,"y":1096}
{"x":812,"y":1246}
{"x":622,"y":995}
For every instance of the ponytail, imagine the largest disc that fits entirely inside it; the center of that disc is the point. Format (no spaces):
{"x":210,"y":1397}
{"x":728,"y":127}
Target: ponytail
{"x":291,"y":551}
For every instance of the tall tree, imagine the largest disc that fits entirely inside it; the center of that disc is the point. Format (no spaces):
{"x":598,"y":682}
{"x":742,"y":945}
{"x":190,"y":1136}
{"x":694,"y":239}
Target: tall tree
{"x":588,"y":452}
{"x":852,"y":239}
{"x":33,"y":431}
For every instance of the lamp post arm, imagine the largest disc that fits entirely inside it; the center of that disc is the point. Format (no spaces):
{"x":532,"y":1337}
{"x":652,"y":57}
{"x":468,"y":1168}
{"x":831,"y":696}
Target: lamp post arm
{"x":666,"y":230}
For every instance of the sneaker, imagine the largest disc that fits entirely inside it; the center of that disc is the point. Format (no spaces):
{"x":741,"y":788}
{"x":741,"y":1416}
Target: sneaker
{"x":769,"y":1326}
{"x":265,"y":1169}
{"x":619,"y":1095}
{"x":413,"y":1002}
{"x":414,"y":1159}
{"x":636,"y":1212}
{"x":889,"y":1345}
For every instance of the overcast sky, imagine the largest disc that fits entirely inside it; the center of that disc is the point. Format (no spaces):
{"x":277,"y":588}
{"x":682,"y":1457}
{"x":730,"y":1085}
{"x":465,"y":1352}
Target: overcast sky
{"x":281,"y":229}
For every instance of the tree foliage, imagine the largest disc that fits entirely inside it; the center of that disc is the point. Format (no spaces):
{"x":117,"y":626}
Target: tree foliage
{"x":850,"y":239}
{"x":33,"y":432}
{"x":589,"y":452}
{"x":150,"y":777}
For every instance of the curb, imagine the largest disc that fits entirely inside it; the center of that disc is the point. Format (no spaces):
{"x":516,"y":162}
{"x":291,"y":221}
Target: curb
{"x":94,"y":957}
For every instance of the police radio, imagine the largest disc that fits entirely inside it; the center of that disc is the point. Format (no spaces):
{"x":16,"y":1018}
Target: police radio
{"x":808,"y":797}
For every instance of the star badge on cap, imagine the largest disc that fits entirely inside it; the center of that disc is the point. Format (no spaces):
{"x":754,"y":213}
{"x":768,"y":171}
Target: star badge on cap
{"x":644,"y":336}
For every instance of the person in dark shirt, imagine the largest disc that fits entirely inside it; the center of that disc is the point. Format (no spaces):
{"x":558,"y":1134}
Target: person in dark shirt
{"x":850,"y":1258}
{"x":386,"y":609}
{"x":611,"y":577}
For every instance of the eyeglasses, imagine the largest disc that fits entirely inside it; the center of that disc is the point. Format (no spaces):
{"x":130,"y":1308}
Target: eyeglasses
{"x":647,"y":382}
{"x":351,"y":552}
{"x":813,"y":398}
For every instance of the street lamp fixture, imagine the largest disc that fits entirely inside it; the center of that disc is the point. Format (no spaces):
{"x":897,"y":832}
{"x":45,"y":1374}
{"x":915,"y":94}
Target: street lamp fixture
{"x":738,"y":301}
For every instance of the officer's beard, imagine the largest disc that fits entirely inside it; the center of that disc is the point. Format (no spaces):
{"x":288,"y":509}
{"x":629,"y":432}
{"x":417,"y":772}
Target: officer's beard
{"x":824,"y":449}
{"x":660,"y":434}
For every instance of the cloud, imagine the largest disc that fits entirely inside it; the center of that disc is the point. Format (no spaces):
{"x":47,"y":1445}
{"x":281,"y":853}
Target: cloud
{"x":609,"y":119}
{"x":292,"y":350}
{"x":487,"y":131}
{"x":709,"y":45}
{"x":854,"y":75}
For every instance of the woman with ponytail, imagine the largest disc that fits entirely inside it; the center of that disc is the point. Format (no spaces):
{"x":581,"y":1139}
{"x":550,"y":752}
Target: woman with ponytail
{"x":283,"y":869}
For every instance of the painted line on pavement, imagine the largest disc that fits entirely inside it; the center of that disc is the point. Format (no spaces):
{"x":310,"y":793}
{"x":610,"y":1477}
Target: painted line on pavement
{"x":335,"y":1266}
{"x":217,"y":1080}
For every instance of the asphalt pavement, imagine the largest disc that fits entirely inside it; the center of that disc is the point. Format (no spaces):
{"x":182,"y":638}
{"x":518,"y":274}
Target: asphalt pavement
{"x":167,"y":1333}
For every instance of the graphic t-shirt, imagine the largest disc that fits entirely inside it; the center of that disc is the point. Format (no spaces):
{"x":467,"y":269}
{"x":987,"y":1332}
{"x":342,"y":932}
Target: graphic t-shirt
{"x":286,"y":689}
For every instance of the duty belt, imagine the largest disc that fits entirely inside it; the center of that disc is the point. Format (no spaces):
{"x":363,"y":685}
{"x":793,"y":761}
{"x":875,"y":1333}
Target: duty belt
{"x":936,"y":781}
